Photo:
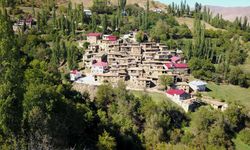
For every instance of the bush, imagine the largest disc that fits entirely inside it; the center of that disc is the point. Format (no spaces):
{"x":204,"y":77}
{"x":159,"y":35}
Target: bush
{"x":140,"y":36}
{"x":244,"y":136}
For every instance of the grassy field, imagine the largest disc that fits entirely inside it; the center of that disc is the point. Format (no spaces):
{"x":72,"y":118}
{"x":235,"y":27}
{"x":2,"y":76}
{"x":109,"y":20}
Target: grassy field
{"x":157,"y":97}
{"x":230,"y":93}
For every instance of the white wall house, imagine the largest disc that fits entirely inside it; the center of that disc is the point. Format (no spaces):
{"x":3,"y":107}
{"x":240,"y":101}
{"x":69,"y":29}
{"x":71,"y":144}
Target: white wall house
{"x":99,"y":68}
{"x":177,"y":95}
{"x":182,"y":98}
{"x":87,"y":12}
{"x":74,"y":75}
{"x":198,"y":85}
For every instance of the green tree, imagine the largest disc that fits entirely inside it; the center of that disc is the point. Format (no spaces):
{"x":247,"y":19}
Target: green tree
{"x":140,"y":36}
{"x":10,"y":89}
{"x":104,"y":23}
{"x":237,"y":77}
{"x":160,"y":31}
{"x":94,"y":22}
{"x":166,"y":81}
{"x":244,"y":136}
{"x":122,"y":5}
{"x":201,"y":68}
{"x":106,"y":142}
{"x":146,"y":24}
{"x":72,"y":57}
{"x":114,"y":22}
{"x":235,"y":117}
{"x":104,"y":96}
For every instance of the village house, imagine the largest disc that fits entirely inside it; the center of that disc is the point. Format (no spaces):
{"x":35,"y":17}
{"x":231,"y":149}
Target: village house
{"x":157,"y":10}
{"x":107,"y":41}
{"x":107,"y":78}
{"x":93,"y":38}
{"x":177,"y":95}
{"x":87,"y":12}
{"x":135,"y":72}
{"x":182,"y":86}
{"x":142,"y":83}
{"x":175,"y":59}
{"x":74,"y":75}
{"x":99,"y":68}
{"x":183,"y":99}
{"x":181,"y":68}
{"x":215,"y":103}
{"x":28,"y":22}
{"x":90,"y":55}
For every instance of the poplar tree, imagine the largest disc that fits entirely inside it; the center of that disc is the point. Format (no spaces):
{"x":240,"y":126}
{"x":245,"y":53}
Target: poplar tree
{"x":146,"y":16}
{"x":94,"y":22}
{"x":104,"y":23}
{"x":113,"y":22}
{"x":54,"y":17}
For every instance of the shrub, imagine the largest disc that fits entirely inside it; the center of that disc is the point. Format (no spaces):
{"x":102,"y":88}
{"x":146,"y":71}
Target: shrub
{"x":244,"y":136}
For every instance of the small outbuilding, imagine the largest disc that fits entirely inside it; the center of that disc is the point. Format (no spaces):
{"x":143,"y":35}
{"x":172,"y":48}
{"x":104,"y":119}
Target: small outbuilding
{"x":198,"y":85}
{"x":74,"y":75}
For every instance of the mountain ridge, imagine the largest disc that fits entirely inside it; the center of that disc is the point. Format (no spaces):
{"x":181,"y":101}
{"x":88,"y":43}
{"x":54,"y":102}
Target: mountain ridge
{"x":230,"y":13}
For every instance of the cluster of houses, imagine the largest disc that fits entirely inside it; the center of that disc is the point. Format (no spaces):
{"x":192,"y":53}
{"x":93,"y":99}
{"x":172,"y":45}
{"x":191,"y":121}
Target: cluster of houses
{"x":140,"y":65}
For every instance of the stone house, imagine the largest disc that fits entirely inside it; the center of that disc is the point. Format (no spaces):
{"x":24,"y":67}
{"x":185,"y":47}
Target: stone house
{"x":107,"y":78}
{"x":93,"y":38}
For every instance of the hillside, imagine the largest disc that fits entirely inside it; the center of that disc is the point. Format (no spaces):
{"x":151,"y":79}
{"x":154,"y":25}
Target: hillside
{"x":141,"y":3}
{"x":190,"y":23}
{"x":230,"y":13}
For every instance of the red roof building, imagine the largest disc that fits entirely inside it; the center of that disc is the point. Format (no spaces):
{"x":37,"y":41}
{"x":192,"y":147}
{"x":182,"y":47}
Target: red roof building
{"x":92,"y":38}
{"x":176,"y":67}
{"x":95,"y":34}
{"x":180,"y":66}
{"x":175,"y":92}
{"x":177,"y":95}
{"x":99,"y":68}
{"x":101,"y":64}
{"x":73,"y":71}
{"x":111,"y":38}
{"x":175,"y":59}
{"x":74,"y":75}
{"x":169,"y":65}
